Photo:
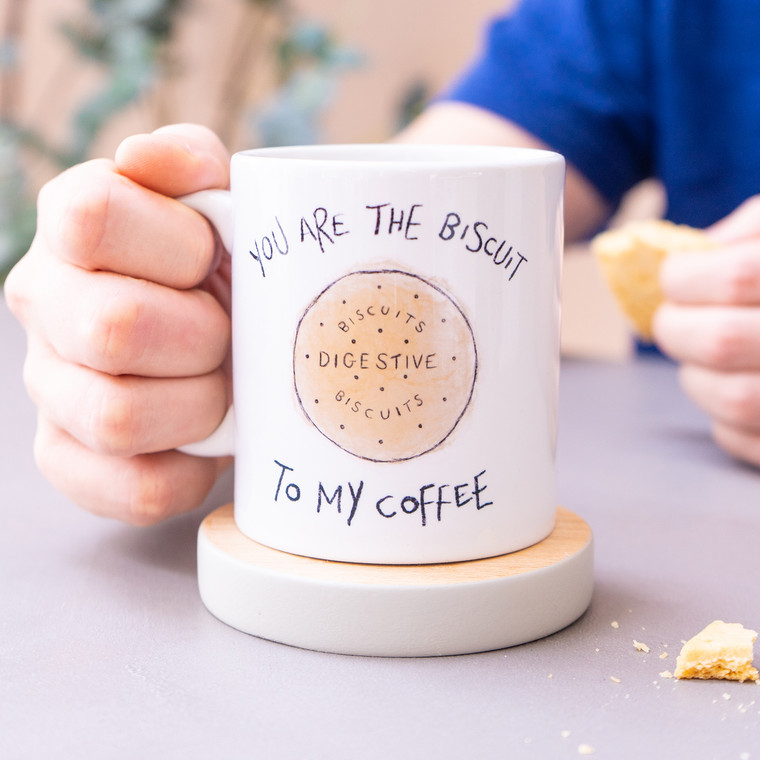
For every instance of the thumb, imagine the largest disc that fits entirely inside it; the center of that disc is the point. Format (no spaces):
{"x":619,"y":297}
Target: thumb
{"x":175,"y":160}
{"x":741,"y":224}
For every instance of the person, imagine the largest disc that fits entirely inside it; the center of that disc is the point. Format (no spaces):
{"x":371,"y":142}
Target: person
{"x":124,"y":293}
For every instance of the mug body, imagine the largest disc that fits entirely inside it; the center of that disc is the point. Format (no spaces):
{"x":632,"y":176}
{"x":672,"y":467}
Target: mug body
{"x":396,"y":349}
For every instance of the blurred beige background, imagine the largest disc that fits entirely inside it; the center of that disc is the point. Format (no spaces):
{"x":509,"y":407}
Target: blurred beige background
{"x":401,"y":43}
{"x":221,"y":50}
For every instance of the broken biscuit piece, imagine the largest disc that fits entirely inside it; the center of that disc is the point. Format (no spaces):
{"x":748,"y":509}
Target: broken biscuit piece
{"x":630,"y":257}
{"x":721,"y":650}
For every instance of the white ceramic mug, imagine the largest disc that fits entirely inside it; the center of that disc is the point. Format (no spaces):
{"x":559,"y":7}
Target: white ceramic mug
{"x":396,"y":348}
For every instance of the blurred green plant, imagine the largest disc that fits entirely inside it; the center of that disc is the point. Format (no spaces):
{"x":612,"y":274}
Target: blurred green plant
{"x":310,"y":63}
{"x":128,"y":41}
{"x":413,"y":101}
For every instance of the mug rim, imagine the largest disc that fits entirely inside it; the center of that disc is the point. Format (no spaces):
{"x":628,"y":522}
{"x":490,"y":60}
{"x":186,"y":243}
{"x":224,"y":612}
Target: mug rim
{"x":407,"y":155}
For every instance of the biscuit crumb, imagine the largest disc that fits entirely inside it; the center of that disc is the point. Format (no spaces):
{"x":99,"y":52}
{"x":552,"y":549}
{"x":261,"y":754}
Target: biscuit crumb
{"x":585,"y":749}
{"x":615,"y":624}
{"x":721,"y":651}
{"x":640,"y":646}
{"x":615,"y":679}
{"x":630,"y":258}
{"x":565,"y":734}
{"x":666,"y":674}
{"x":663,"y":655}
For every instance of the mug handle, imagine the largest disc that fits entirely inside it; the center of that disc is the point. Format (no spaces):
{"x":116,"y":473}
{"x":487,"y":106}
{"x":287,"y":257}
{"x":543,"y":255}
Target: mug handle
{"x":216,"y":206}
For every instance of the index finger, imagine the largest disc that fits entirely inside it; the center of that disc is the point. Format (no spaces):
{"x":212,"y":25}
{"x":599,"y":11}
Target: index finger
{"x":98,"y":220}
{"x":728,"y":276}
{"x":175,"y":160}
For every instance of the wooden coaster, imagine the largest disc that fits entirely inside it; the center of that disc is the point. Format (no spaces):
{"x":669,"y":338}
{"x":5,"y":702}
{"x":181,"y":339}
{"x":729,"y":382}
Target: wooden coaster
{"x":396,"y":610}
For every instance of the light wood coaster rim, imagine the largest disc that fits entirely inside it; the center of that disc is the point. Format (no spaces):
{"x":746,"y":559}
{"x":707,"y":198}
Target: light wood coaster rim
{"x":570,"y":534}
{"x":396,"y":610}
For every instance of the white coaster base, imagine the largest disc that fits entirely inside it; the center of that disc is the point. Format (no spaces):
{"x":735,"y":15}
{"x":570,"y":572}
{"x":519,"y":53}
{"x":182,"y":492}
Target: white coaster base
{"x":396,"y":610}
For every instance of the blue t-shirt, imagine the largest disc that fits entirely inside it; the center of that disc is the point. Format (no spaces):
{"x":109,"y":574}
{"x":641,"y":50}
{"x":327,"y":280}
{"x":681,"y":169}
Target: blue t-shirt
{"x":630,"y":89}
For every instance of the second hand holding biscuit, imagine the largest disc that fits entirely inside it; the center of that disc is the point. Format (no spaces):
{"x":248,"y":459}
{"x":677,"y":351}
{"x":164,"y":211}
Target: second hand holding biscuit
{"x":630,"y":258}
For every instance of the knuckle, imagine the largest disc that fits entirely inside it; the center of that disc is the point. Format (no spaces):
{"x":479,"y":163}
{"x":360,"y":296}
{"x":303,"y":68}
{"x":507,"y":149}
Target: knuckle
{"x":152,"y":494}
{"x":74,"y":209}
{"x":742,"y":280}
{"x":83,"y":227}
{"x":115,"y":426}
{"x":724,"y":346}
{"x":110,"y":334}
{"x":17,"y":293}
{"x":15,"y":296}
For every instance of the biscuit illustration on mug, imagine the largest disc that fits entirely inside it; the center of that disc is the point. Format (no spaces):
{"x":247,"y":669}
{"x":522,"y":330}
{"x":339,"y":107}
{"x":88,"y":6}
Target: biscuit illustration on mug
{"x":384,"y":364}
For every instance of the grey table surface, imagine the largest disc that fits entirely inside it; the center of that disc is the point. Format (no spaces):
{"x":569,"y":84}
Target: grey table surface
{"x":107,"y":651}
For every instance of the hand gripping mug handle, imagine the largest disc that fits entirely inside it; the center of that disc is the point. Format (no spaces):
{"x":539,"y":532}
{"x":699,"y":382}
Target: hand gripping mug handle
{"x":216,"y":206}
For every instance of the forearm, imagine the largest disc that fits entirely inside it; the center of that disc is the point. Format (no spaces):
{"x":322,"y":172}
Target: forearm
{"x":449,"y":122}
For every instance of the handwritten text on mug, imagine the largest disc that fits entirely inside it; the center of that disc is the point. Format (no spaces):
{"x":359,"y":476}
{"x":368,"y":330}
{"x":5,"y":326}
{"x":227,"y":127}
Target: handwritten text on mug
{"x":424,"y":501}
{"x":321,"y":230}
